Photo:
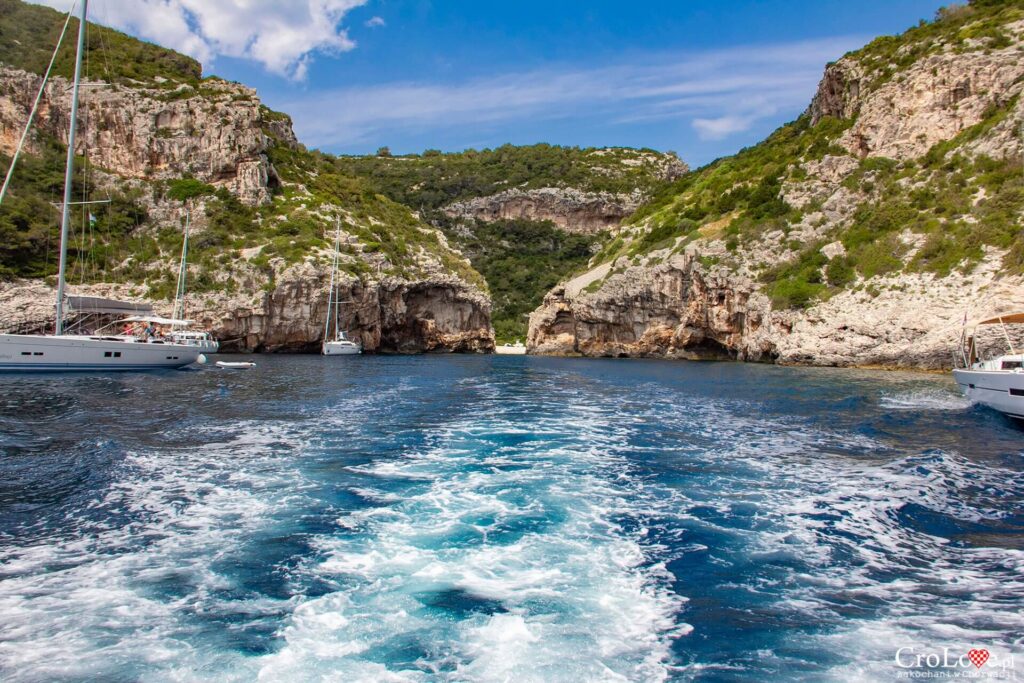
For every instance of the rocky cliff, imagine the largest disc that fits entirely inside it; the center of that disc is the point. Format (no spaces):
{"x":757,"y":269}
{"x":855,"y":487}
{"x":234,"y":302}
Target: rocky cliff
{"x":523,"y":215}
{"x":570,"y":209}
{"x":858,"y":235}
{"x":213,"y":132}
{"x":392,"y":315}
{"x":166,"y":146}
{"x":576,"y":209}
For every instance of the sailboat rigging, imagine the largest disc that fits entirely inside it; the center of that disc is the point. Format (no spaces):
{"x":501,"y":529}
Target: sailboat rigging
{"x":340,"y":345}
{"x":74,"y":352}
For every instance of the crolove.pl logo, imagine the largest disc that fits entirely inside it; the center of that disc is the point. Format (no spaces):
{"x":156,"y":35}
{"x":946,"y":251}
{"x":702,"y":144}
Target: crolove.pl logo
{"x":948,"y":663}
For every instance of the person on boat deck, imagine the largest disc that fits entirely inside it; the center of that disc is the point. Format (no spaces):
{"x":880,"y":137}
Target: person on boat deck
{"x":129,"y":330}
{"x":149,"y":332}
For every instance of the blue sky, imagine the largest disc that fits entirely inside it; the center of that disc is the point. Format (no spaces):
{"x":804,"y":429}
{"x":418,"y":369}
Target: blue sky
{"x":701,"y":77}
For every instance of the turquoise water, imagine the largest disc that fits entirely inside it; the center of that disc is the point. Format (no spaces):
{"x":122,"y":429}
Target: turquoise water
{"x":472,"y":518}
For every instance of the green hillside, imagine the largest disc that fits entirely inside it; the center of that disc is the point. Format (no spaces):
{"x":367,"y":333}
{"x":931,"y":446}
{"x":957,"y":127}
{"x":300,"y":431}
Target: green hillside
{"x":120,"y":242}
{"x":432,"y":179}
{"x":738,"y":198}
{"x":521,"y":260}
{"x":28,"y":34}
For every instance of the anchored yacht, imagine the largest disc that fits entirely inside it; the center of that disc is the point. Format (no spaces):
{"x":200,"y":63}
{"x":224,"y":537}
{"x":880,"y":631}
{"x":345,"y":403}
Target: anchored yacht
{"x":73,"y":352}
{"x":340,"y":344}
{"x":994,"y":382}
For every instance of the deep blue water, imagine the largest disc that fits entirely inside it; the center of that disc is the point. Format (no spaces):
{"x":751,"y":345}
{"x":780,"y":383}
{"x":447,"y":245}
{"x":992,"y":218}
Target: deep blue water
{"x":480,"y":518}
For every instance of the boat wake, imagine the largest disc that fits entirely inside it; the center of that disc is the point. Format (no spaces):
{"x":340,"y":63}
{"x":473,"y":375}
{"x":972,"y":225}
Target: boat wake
{"x":487,"y":526}
{"x":934,"y":399}
{"x":501,"y":550}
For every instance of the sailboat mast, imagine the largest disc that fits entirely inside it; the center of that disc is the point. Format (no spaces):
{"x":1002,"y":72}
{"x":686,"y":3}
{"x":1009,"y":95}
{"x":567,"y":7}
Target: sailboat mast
{"x":330,"y":292}
{"x":69,"y":172}
{"x":179,"y":296}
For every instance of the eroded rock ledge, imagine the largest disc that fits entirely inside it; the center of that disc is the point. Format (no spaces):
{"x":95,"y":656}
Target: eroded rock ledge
{"x":675,"y":310}
{"x":570,"y":209}
{"x":683,"y":309}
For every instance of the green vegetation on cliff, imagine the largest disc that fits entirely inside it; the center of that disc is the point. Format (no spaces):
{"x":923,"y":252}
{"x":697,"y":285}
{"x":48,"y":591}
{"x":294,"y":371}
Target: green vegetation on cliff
{"x":939,"y":213}
{"x":120,"y":242}
{"x":28,"y":34}
{"x":521,"y":260}
{"x":432,"y":179}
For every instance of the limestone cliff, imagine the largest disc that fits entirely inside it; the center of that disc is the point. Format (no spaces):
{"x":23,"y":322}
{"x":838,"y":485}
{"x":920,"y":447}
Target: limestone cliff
{"x":213,"y":132}
{"x":440,"y":314}
{"x":576,"y":209}
{"x":860,"y":234}
{"x":570,"y":209}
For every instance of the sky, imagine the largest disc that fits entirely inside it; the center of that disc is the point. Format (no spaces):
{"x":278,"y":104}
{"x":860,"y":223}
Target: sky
{"x":703,"y":78}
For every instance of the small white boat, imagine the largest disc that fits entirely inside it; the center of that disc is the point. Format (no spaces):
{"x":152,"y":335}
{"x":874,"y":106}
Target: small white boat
{"x":517,"y":349}
{"x":235,"y":365}
{"x":994,"y":382}
{"x":340,"y":345}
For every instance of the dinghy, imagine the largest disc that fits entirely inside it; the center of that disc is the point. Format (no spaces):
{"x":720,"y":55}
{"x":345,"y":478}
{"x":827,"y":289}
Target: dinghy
{"x":235,"y":365}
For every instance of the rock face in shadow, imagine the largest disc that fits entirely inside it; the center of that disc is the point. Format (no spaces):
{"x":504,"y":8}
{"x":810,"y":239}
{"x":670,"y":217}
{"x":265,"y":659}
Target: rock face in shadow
{"x":674,"y":310}
{"x":391,"y":316}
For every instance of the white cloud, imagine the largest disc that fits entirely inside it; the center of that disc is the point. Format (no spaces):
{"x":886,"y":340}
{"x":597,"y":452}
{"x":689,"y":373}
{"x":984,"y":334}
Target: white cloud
{"x":719,"y":93}
{"x":723,"y":126}
{"x":282,"y":36}
{"x":374,"y":22}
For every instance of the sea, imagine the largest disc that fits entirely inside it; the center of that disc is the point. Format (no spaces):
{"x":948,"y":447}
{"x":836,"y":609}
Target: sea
{"x":507,"y":518}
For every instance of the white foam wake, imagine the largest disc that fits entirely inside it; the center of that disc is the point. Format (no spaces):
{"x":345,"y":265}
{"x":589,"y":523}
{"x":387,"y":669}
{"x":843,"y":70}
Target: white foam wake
{"x":505,"y":559}
{"x":934,"y":399}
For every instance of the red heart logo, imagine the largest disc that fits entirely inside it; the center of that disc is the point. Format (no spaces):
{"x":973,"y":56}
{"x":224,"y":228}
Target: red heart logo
{"x":978,"y":657}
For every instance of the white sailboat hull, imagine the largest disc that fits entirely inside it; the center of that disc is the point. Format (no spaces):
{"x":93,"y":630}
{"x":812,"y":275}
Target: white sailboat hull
{"x":341,"y":348}
{"x":1002,"y":390}
{"x":71,"y":353}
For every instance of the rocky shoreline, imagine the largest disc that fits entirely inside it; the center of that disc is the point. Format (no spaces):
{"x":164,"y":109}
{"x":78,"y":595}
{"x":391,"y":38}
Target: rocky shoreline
{"x":436,"y":315}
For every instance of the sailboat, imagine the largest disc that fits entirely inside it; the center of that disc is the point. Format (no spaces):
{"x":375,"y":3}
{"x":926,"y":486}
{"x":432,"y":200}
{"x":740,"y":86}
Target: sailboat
{"x":340,"y":345}
{"x":180,"y":332}
{"x":76,"y":352}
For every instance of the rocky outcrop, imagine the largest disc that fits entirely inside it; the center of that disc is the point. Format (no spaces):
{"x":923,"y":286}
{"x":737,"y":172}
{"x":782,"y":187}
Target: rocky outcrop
{"x":838,"y":92}
{"x":683,"y":309}
{"x":674,"y":310}
{"x":440,"y":314}
{"x":213,"y":132}
{"x":933,"y":100}
{"x":570,"y":209}
{"x":574,"y":209}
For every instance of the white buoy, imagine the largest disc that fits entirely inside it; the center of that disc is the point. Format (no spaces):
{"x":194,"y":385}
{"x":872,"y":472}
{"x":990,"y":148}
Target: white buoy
{"x":202,"y":360}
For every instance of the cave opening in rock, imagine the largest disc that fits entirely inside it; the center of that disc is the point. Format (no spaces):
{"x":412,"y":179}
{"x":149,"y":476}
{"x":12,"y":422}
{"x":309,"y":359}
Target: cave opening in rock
{"x":711,"y":349}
